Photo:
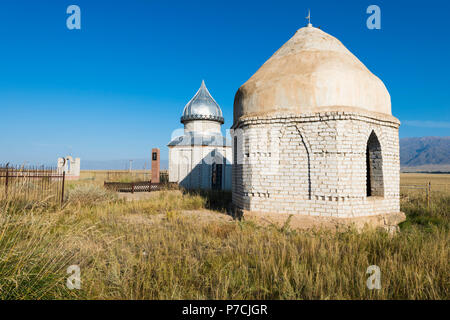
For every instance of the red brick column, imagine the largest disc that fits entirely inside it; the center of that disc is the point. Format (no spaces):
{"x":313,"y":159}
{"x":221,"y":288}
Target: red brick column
{"x":155,"y":165}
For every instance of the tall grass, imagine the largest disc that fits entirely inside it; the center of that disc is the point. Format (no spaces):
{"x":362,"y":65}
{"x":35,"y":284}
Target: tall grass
{"x":32,"y":257}
{"x":151,"y":249}
{"x":89,"y":194}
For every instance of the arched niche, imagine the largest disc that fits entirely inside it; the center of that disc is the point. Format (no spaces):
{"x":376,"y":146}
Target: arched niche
{"x":374,"y":167}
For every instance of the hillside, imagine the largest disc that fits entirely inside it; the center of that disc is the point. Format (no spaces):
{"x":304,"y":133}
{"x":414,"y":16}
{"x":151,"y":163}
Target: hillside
{"x":425,"y":154}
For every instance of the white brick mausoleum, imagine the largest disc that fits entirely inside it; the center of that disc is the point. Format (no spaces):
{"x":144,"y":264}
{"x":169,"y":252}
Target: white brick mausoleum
{"x":314,"y":134}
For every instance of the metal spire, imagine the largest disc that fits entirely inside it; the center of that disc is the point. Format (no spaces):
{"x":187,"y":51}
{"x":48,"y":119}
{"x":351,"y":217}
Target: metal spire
{"x":309,"y":18}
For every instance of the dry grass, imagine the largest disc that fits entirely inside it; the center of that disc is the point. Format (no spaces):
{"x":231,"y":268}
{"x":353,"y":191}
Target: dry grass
{"x":89,"y":194}
{"x":439,"y":182}
{"x":156,"y":249}
{"x":100,"y":176}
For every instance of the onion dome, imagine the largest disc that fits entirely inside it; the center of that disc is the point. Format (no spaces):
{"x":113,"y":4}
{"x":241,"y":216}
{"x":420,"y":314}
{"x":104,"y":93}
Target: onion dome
{"x":202,"y":107}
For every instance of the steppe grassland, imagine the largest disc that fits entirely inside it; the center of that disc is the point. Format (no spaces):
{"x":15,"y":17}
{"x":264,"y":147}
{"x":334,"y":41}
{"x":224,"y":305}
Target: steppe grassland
{"x":171,"y":246}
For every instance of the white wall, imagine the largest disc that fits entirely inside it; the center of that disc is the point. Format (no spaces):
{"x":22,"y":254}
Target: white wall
{"x":203,"y":126}
{"x":191,"y":166}
{"x":319,"y":168}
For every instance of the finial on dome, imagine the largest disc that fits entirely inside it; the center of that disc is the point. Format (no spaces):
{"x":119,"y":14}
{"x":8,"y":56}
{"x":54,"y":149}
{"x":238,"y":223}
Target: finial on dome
{"x":309,"y":19}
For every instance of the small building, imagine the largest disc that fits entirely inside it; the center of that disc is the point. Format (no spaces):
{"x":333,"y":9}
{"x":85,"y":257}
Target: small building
{"x":201,"y":157}
{"x":313,"y":134}
{"x":70,"y":166}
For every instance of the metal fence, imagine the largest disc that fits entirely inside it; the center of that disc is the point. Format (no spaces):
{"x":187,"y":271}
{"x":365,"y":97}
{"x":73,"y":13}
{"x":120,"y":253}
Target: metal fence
{"x":129,"y":176}
{"x":138,"y":186}
{"x":31,"y":183}
{"x":427,"y":188}
{"x":140,"y":182}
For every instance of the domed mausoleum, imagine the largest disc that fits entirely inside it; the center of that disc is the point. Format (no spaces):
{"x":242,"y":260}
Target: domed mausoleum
{"x":314,"y":135}
{"x":201,"y":157}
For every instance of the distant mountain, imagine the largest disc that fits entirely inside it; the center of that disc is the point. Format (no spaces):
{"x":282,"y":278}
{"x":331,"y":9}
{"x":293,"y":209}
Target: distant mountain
{"x":138,"y":164}
{"x":427,"y":153}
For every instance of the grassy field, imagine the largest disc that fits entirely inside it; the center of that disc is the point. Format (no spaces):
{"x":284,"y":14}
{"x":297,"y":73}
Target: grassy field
{"x":100,"y":176}
{"x":439,"y":182}
{"x":171,"y":246}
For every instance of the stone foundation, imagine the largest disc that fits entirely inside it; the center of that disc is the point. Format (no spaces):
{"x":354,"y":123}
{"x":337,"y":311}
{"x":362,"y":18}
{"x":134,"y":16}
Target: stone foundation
{"x":387,"y":222}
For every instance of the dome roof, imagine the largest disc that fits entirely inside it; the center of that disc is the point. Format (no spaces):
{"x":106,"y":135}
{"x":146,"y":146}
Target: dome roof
{"x":311,"y":72}
{"x":202,"y":107}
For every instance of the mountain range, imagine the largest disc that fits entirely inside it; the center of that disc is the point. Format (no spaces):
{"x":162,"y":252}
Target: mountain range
{"x":427,"y":154}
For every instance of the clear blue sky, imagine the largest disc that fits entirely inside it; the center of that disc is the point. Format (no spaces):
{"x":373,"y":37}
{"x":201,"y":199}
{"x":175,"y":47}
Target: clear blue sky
{"x":117,"y":87}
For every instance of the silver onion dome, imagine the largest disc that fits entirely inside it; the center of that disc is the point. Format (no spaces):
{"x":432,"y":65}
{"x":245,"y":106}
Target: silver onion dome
{"x":202,"y":107}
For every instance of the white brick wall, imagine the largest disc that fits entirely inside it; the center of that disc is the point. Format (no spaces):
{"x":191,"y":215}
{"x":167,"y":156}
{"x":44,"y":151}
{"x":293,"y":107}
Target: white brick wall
{"x":314,"y":164}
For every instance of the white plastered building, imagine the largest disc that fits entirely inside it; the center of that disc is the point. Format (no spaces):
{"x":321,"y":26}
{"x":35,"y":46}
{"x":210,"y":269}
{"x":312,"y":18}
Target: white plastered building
{"x":71,"y":166}
{"x":201,"y":157}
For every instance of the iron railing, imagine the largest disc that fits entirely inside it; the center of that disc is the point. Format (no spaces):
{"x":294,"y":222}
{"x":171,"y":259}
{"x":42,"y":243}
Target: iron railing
{"x":31,"y":183}
{"x":138,"y":186}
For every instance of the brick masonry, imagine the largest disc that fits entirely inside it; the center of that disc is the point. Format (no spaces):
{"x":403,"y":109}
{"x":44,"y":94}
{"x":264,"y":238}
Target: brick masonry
{"x":316,"y":164}
{"x":155,"y":165}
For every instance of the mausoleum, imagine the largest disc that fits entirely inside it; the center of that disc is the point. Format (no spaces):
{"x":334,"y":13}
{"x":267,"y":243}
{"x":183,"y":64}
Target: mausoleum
{"x":70,"y":166}
{"x":201,"y":157}
{"x":313,"y":134}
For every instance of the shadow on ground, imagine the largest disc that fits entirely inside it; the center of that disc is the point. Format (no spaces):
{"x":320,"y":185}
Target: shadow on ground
{"x":216,"y":200}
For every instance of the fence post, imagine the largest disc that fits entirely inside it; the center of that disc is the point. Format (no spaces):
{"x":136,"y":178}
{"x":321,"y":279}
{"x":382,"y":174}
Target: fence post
{"x":428,"y":194}
{"x":62,"y":189}
{"x":6,"y":182}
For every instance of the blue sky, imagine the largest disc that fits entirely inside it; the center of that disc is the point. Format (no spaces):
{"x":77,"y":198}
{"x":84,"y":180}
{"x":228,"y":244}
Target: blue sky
{"x":117,"y":87}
